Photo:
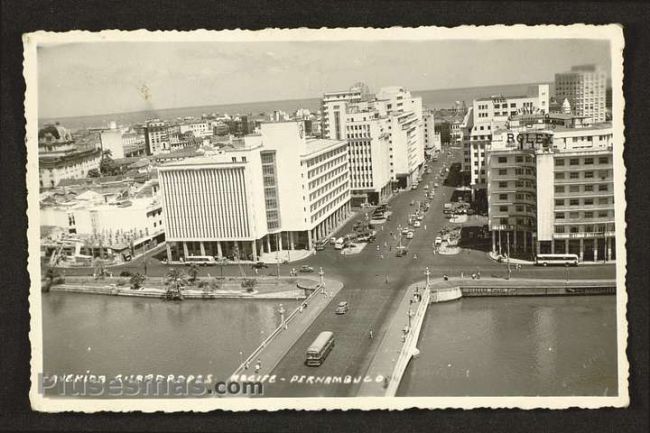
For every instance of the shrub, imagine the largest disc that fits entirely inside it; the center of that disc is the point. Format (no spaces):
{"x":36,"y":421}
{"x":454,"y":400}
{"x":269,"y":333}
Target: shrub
{"x":249,"y":284}
{"x":136,"y":281}
{"x":126,"y":274}
{"x":214,"y":285}
{"x":121,"y":282}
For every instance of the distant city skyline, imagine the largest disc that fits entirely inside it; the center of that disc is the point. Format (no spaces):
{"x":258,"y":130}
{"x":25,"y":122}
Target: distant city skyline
{"x":87,"y":79}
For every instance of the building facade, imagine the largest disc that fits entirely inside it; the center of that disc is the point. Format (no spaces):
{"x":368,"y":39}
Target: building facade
{"x":62,"y":156}
{"x":275,"y":191}
{"x":551,"y":190}
{"x":585,"y":88}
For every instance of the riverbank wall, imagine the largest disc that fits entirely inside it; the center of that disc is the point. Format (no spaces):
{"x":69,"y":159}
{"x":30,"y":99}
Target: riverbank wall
{"x":229,"y":288}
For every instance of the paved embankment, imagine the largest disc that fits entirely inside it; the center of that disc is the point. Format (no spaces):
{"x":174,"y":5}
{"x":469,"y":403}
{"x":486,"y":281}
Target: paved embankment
{"x":230,"y":288}
{"x":269,"y":353}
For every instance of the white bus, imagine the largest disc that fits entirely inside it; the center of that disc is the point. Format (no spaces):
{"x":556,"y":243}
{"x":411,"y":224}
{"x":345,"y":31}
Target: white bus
{"x":338,"y":245}
{"x":556,"y":259}
{"x":320,"y":348}
{"x":200,"y":260}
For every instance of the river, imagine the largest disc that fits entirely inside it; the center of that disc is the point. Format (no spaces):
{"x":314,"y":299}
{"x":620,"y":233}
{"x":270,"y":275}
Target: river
{"x":516,"y":346}
{"x":113,"y":335}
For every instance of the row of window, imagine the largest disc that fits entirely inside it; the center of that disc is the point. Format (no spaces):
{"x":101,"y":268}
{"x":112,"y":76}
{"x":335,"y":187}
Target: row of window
{"x":343,"y":188}
{"x":603,"y":174}
{"x":603,"y":187}
{"x":324,"y":167}
{"x":588,"y":201}
{"x":584,"y":215}
{"x":588,"y":228}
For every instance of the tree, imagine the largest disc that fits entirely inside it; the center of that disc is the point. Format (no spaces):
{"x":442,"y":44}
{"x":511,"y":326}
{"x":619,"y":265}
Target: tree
{"x":194,"y":271}
{"x":175,"y":280}
{"x":94,"y":173}
{"x":107,"y":166}
{"x":137,"y":280}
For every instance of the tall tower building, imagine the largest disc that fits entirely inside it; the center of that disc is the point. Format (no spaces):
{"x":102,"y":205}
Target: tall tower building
{"x":585,"y":88}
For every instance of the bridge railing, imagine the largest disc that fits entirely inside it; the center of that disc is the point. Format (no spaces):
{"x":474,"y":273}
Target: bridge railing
{"x":409,"y":345}
{"x":249,"y":360}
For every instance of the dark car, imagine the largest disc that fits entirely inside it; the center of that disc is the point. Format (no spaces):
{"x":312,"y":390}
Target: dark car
{"x":306,"y":268}
{"x":259,"y":265}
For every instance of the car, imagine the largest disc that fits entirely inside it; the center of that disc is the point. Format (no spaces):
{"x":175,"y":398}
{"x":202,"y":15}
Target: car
{"x":401,"y":251}
{"x":405,"y":231}
{"x":420,"y":217}
{"x":412,"y":202}
{"x":417,"y":224}
{"x":332,"y":241}
{"x":438,"y":240}
{"x":320,"y":246}
{"x":435,"y":185}
{"x":410,"y":235}
{"x":306,"y":268}
{"x":342,"y":307}
{"x":259,"y":265}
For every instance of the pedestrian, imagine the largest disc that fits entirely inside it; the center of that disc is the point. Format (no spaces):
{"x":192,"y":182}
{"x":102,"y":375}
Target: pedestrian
{"x":145,"y":268}
{"x":371,"y":336}
{"x":425,"y":227}
{"x":415,"y":256}
{"x":381,"y":256}
{"x":478,"y":275}
{"x":386,"y":278}
{"x":462,"y":275}
{"x":258,"y":366}
{"x":390,"y":248}
{"x":473,"y":276}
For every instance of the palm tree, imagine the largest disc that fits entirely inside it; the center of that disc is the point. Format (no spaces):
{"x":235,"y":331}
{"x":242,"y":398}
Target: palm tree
{"x":175,"y":280}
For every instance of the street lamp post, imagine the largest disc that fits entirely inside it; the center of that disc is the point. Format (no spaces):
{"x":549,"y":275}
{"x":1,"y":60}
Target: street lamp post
{"x":566,"y":265}
{"x":508,"y":246}
{"x":427,"y":273}
{"x":281,"y":311}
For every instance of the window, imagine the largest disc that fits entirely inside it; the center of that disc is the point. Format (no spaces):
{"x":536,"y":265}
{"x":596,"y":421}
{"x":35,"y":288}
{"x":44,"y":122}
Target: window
{"x":559,"y":215}
{"x":603,"y":200}
{"x":589,"y":201}
{"x":602,"y":187}
{"x":574,"y":188}
{"x":603,"y":214}
{"x":574,"y":175}
{"x":589,"y":161}
{"x":559,"y":188}
{"x":503,"y":171}
{"x":503,"y":196}
{"x":503,"y":184}
{"x":603,"y":160}
{"x":559,"y":162}
{"x":559,"y":175}
{"x":519,"y":159}
{"x":503,"y":208}
{"x":589,"y":214}
{"x":574,"y":161}
{"x":589,"y":188}
{"x":559,"y":202}
{"x":574,"y":202}
{"x":502,"y":160}
{"x":589,"y":174}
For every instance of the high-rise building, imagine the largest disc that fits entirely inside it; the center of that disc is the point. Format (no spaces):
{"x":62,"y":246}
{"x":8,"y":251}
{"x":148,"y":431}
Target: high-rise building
{"x":487,"y":114}
{"x":157,"y":137}
{"x":275,"y":191}
{"x":585,"y":87}
{"x":550,"y":188}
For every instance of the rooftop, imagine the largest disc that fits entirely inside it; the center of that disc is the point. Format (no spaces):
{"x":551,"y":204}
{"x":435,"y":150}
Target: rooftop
{"x":315,"y":145}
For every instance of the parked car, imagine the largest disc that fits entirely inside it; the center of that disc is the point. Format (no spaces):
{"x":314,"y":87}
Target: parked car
{"x":259,"y":265}
{"x":405,"y":231}
{"x":320,"y":246}
{"x":306,"y":268}
{"x":410,"y":234}
{"x":438,"y":240}
{"x":402,"y":251}
{"x":417,"y":224}
{"x":342,"y":307}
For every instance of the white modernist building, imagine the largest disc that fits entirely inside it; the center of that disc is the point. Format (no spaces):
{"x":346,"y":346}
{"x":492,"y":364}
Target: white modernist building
{"x":488,"y":114}
{"x":584,"y":87}
{"x":550,"y":188}
{"x":387,"y":129}
{"x":275,"y":191}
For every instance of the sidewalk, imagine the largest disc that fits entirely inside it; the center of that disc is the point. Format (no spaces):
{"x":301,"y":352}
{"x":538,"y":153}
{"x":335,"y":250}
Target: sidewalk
{"x":513,"y":261}
{"x":392,"y":341}
{"x":271,"y":354}
{"x":284,"y":256}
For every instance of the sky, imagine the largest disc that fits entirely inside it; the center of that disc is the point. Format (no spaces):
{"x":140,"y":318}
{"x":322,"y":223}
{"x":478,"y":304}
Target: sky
{"x":115,"y":77}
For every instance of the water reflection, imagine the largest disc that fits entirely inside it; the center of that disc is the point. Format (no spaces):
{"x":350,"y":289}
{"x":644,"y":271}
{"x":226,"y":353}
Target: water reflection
{"x":516,"y":346}
{"x":116,"y":335}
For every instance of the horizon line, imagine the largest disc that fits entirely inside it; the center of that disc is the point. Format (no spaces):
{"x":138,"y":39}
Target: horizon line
{"x":274,"y":100}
